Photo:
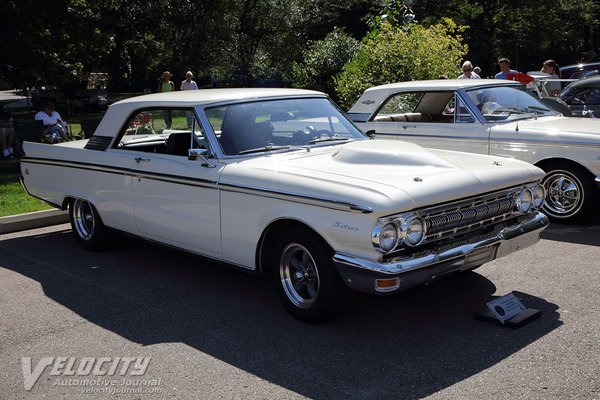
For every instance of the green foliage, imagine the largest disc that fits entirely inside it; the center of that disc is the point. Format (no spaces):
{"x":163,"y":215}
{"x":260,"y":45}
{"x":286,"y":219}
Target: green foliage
{"x":394,"y":54}
{"x":323,"y":60}
{"x":13,"y":199}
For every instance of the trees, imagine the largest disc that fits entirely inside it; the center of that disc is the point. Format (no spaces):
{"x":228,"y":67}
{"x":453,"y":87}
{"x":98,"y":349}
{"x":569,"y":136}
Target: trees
{"x":397,"y":53}
{"x":251,"y":42}
{"x":323,"y":60}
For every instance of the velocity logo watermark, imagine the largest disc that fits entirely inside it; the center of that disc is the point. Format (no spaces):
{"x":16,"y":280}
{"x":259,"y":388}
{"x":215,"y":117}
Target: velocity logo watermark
{"x":93,"y":374}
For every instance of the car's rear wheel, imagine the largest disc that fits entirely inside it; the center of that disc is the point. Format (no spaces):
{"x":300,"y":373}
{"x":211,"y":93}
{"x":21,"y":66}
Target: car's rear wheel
{"x":570,"y":193}
{"x":87,"y":225}
{"x":305,"y":277}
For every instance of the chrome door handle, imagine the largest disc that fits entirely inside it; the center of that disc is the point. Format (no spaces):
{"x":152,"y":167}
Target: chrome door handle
{"x":140,"y":159}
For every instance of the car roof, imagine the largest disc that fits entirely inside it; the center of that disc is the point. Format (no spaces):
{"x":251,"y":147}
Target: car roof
{"x":118,"y":112}
{"x":443,"y":84}
{"x":210,"y":96}
{"x":374,"y":96}
{"x":592,"y":81}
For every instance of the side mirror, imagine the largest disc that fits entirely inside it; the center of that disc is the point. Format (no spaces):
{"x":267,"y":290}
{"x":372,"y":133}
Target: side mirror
{"x":370,"y":133}
{"x":200,"y":154}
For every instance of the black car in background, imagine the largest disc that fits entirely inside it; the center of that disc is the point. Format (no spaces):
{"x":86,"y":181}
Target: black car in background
{"x":578,"y":71}
{"x":583,"y":97}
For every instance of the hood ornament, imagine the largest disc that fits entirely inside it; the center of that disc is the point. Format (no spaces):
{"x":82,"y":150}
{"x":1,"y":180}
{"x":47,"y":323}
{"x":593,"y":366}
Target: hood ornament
{"x":417,"y":179}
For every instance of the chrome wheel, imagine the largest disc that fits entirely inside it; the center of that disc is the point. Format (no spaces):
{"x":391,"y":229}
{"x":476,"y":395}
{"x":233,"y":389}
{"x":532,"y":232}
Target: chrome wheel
{"x":84,"y":221}
{"x":299,"y":275}
{"x":564,"y":194}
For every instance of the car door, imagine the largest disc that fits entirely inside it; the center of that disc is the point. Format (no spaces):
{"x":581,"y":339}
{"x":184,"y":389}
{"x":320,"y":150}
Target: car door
{"x":175,"y":199}
{"x":435,"y":120}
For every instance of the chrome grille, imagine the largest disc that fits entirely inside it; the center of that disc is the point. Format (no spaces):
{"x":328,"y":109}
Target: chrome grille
{"x":452,"y":218}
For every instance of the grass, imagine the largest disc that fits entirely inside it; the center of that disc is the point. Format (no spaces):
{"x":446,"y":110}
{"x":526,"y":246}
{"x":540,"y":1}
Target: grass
{"x":13,"y":199}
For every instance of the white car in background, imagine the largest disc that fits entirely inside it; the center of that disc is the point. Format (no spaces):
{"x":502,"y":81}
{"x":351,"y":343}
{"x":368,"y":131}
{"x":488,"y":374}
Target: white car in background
{"x":280,"y":181}
{"x":495,"y":117}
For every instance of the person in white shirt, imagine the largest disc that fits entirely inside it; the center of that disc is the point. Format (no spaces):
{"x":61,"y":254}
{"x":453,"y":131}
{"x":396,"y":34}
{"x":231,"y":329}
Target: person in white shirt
{"x":189,"y":84}
{"x":468,"y":73}
{"x":53,"y":122}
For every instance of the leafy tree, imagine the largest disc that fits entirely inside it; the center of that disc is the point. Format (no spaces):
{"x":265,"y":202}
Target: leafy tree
{"x":323,"y":60}
{"x":394,"y":54}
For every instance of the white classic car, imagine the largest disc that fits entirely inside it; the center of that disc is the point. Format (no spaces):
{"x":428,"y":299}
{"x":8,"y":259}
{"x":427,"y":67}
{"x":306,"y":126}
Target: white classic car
{"x":493,"y":117}
{"x":280,"y":180}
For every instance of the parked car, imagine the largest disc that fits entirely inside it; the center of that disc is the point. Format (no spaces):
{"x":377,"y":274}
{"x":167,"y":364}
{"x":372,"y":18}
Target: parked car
{"x":583,"y":97}
{"x":495,"y":117}
{"x":581,"y":70}
{"x":279,"y":181}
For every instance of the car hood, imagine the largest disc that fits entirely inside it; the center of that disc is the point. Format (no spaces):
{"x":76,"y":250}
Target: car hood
{"x":385,"y":176}
{"x":581,"y":130}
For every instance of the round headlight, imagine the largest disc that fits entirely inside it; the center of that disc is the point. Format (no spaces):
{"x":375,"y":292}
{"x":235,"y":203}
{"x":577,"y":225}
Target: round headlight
{"x":524,"y":201}
{"x":414,"y":231}
{"x":388,"y":237}
{"x":538,"y":196}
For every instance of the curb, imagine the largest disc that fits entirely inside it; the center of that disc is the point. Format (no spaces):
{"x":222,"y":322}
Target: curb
{"x":33,"y":220}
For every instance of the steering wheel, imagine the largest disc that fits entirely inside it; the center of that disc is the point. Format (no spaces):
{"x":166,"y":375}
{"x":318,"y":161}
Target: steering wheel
{"x":310,"y":132}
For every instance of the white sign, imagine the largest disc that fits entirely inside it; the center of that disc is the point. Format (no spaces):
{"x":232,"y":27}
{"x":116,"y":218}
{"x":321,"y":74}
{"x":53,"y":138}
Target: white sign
{"x":505,"y":307}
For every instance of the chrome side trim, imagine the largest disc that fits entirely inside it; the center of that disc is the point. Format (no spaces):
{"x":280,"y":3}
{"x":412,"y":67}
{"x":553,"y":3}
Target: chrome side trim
{"x":416,"y":135}
{"x":543,"y":141}
{"x":298,"y":198}
{"x":78,"y":165}
{"x":256,"y":191}
{"x":508,"y":240}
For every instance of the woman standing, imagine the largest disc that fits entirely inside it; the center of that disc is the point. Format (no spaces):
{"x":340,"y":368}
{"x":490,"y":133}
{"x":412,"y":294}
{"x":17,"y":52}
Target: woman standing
{"x":165,"y":85}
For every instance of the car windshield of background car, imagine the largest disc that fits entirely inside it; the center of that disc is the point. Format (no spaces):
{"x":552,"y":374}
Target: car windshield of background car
{"x":507,"y":104}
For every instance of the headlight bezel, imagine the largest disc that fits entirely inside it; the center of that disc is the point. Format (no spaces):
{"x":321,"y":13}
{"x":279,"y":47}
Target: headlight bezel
{"x":378,"y":232}
{"x":405,"y":229}
{"x":539,"y":203}
{"x":402,"y":225}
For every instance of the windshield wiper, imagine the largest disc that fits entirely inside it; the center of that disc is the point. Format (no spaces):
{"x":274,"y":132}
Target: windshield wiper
{"x":327,"y":139}
{"x":266,"y":148}
{"x":508,"y":110}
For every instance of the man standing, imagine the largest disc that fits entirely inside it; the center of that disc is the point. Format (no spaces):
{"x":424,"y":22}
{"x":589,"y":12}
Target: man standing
{"x":189,"y":84}
{"x":504,"y":64}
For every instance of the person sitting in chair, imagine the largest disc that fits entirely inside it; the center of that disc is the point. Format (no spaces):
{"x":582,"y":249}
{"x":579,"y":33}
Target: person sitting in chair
{"x":53,"y":122}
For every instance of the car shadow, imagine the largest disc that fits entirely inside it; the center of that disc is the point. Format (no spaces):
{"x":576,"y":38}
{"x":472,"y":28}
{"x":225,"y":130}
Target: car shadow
{"x":588,"y":234}
{"x":403,"y":346}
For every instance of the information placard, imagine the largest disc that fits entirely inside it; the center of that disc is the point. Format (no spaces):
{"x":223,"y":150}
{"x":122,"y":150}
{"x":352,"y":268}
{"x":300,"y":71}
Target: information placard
{"x":506,"y":307}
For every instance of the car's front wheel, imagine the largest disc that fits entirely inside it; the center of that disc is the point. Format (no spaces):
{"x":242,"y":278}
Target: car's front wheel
{"x":570,"y":193}
{"x":305,"y":277}
{"x":87,"y":225}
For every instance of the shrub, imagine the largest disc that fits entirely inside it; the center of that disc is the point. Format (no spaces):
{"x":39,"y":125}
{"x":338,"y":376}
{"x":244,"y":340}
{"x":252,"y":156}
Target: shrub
{"x":395,"y":54}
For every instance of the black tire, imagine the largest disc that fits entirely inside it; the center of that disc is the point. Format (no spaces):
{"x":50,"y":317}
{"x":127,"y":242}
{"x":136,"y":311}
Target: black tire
{"x":306,"y":279}
{"x":570,"y":193}
{"x":87,"y":226}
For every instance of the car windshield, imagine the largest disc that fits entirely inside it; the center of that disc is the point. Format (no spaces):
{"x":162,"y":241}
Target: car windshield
{"x":507,"y":104}
{"x":263,"y":126}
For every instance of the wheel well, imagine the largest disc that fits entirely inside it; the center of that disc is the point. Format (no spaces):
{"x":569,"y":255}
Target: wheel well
{"x":543,"y":164}
{"x":268,"y":236}
{"x":66,"y":202}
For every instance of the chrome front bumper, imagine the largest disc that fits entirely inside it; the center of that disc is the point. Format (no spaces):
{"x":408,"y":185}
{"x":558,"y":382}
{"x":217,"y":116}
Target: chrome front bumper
{"x":361,"y":275}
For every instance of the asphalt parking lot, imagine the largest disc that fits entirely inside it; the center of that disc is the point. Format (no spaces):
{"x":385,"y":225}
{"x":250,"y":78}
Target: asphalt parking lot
{"x":212,"y":333}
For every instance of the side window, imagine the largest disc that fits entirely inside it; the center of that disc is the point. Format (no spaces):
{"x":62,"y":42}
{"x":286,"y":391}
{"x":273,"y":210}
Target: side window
{"x":168,"y":131}
{"x":462,"y":115}
{"x":589,"y":96}
{"x":401,"y":103}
